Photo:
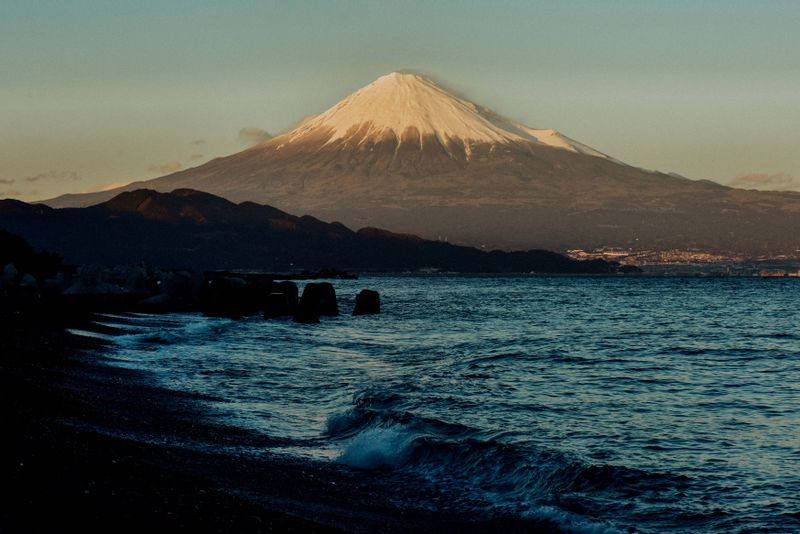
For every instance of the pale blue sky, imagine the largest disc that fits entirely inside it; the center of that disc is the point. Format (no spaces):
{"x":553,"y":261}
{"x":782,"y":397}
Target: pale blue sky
{"x":95,"y":92}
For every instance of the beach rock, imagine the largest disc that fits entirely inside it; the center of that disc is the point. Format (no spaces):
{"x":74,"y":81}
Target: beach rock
{"x":260,"y":285}
{"x":92,"y":280}
{"x":318,"y":299}
{"x":134,"y":280}
{"x":277,"y":305}
{"x":10,"y":274}
{"x":281,"y":301}
{"x":55,"y":284}
{"x":28,"y":287}
{"x":176,"y":291}
{"x":368,"y":302}
{"x":182,"y":287}
{"x":228,"y":296}
{"x":289,"y":289}
{"x":325,"y":296}
{"x":28,"y":281}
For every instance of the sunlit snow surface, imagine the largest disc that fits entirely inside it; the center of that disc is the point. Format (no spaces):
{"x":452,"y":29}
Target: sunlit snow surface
{"x":399,"y":102}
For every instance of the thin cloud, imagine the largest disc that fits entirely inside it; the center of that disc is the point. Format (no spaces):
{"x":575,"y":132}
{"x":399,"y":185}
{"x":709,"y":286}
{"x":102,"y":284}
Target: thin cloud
{"x":54,"y":176}
{"x":7,"y":182}
{"x":166,"y":168}
{"x":253,"y":136}
{"x":776,"y":182}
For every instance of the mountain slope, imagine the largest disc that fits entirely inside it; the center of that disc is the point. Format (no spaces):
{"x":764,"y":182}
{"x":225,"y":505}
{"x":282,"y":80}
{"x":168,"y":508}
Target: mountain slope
{"x":404,"y":154}
{"x":190,"y":229}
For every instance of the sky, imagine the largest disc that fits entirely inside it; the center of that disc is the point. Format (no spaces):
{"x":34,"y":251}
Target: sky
{"x":97,"y":93}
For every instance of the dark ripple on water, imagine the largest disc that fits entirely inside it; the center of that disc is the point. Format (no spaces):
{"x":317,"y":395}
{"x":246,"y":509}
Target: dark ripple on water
{"x":599,"y":403}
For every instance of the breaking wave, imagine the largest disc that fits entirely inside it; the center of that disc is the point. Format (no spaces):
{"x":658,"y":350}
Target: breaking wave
{"x":490,"y":475}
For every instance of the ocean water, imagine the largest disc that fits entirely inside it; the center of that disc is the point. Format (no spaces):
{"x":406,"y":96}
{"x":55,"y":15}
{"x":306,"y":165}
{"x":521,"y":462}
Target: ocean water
{"x":604,"y":404}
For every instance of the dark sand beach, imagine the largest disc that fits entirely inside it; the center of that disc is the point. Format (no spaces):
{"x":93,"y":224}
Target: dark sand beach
{"x":92,"y":445}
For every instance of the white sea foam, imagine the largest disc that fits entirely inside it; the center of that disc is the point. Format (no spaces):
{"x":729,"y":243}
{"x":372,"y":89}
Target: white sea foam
{"x":569,"y":522}
{"x":377,"y":447}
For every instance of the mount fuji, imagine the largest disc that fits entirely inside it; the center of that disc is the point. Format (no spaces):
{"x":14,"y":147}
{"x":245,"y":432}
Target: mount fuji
{"x":405,"y":154}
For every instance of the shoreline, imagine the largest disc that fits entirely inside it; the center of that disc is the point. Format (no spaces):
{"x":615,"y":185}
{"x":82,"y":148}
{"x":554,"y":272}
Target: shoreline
{"x":68,"y":469}
{"x":96,"y":444}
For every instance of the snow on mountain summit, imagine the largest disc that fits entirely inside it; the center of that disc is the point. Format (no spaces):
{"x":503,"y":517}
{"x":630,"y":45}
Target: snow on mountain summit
{"x":399,"y":102}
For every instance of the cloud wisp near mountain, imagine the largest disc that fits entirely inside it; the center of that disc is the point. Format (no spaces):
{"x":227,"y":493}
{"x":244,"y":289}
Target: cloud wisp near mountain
{"x":404,"y":154}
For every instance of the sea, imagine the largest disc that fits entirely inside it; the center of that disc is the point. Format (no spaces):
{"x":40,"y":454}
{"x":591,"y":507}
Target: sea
{"x":601,"y":404}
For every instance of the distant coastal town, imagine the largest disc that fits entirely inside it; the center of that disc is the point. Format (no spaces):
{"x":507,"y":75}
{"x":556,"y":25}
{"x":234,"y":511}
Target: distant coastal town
{"x":683,"y":261}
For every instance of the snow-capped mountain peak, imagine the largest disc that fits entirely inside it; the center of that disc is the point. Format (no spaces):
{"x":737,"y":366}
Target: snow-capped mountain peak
{"x":402,"y":103}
